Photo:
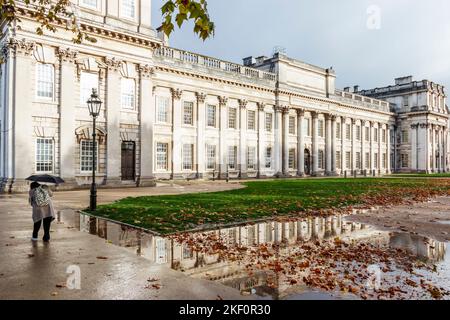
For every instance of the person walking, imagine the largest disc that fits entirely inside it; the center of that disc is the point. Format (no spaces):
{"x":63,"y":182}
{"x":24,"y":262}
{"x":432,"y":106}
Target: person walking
{"x":40,"y":198}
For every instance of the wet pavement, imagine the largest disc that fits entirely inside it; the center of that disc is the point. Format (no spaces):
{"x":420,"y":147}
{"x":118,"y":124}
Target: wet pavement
{"x":107,"y":271}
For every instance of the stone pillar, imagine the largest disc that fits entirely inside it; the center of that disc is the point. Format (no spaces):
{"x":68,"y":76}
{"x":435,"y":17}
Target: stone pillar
{"x":113,"y":146}
{"x":353,"y":125}
{"x":315,"y":144}
{"x":285,"y":156}
{"x":390,"y":147}
{"x":147,"y":122}
{"x":243,"y":138}
{"x":433,"y":149}
{"x":333,"y":146}
{"x":343,"y":140}
{"x":177,"y":145}
{"x":328,"y":148}
{"x":363,"y":152}
{"x":223,"y":163}
{"x":414,"y":147}
{"x":20,"y":98}
{"x":380,"y":151}
{"x":261,"y":139}
{"x":300,"y":143}
{"x":446,"y":159}
{"x":67,"y":102}
{"x":201,"y":117}
{"x":372,"y":151}
{"x":278,"y":152}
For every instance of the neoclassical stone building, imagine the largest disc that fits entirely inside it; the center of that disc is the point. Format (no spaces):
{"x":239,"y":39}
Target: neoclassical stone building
{"x":173,"y":114}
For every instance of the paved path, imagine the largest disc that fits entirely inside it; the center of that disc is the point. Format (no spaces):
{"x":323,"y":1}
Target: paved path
{"x":30,"y":271}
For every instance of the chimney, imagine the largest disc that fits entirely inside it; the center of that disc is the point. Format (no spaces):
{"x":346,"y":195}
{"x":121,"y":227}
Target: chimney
{"x":163,"y":37}
{"x":248,"y":61}
{"x":356,"y":89}
{"x":261,"y":59}
{"x":403,"y":80}
{"x":347,"y":89}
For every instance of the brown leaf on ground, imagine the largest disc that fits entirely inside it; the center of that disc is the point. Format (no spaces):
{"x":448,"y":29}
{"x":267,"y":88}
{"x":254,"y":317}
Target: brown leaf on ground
{"x":102,"y":258}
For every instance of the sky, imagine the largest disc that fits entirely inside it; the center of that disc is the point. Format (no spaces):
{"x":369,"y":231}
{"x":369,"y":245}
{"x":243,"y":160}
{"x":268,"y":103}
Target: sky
{"x":367,"y":42}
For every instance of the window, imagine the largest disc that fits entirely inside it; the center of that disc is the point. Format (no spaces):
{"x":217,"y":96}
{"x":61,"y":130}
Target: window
{"x":45,"y":75}
{"x":128,"y":93}
{"x":321,"y":129}
{"x":292,"y":158}
{"x":162,"y":109}
{"x":321,"y":160}
{"x":404,"y":160}
{"x":358,"y":133}
{"x":269,"y":157}
{"x":338,"y":130}
{"x":251,"y":158}
{"x":88,"y":81}
{"x":162,"y":156}
{"x":338,"y":160}
{"x":291,"y":125}
{"x":212,"y":116}
{"x":251,"y":123}
{"x":232,"y":157}
{"x":367,"y":160}
{"x":188,"y":253}
{"x":348,"y":160}
{"x":188,"y":113}
{"x":188,"y":159}
{"x":348,"y":132}
{"x":405,"y":137}
{"x":383,"y":135}
{"x":367,"y":134}
{"x":375,"y":162}
{"x":93,"y":4}
{"x":375,"y":138}
{"x":269,"y":122}
{"x":86,"y":155}
{"x":405,"y":101}
{"x":232,"y":115}
{"x":129,"y":8}
{"x":384,"y":160}
{"x":44,"y":155}
{"x":358,"y":160}
{"x":307,"y":127}
{"x":210,"y":157}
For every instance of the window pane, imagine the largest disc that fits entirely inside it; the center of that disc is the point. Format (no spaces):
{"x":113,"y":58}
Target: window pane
{"x":211,"y":116}
{"x":45,"y":80}
{"x":162,"y":109}
{"x":88,"y":81}
{"x":291,"y":125}
{"x":232,"y":113}
{"x":188,"y":113}
{"x":161,"y":156}
{"x":86,"y":155}
{"x":251,"y":158}
{"x":251,"y":120}
{"x":128,"y":8}
{"x":269,"y":158}
{"x":44,"y":155}
{"x":232,"y":153}
{"x":188,"y":161}
{"x":211,"y":157}
{"x":128,"y":93}
{"x":269,"y":121}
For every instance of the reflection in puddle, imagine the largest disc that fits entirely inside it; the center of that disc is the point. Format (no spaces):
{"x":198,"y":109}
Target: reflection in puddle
{"x":291,"y":259}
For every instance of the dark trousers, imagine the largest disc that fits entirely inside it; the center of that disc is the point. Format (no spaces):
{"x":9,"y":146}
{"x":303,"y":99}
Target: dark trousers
{"x":37,"y":227}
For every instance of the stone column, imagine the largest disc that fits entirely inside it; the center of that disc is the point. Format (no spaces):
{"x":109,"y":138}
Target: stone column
{"x":278,"y":141}
{"x":343,"y":140}
{"x":315,"y":144}
{"x":333,"y":146}
{"x":328,"y":147}
{"x":363,"y":152}
{"x":243,"y":138}
{"x":147,"y":122}
{"x":353,"y":145}
{"x":380,"y":151}
{"x":300,"y":143}
{"x":414,"y":147}
{"x":372,"y":151}
{"x":113,"y":146}
{"x":20,"y":98}
{"x":67,"y":102}
{"x":446,"y":150}
{"x":390,"y":147}
{"x":177,"y":144}
{"x":285,"y":156}
{"x":201,"y":117}
{"x":433,"y":149}
{"x":261,"y":139}
{"x":223,"y":163}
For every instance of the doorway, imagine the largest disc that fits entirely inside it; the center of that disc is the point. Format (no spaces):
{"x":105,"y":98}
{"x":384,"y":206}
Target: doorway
{"x":128,"y":161}
{"x":307,"y":162}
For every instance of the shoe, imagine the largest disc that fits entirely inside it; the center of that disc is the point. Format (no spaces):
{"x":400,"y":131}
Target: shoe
{"x":34,"y":239}
{"x":46,"y":239}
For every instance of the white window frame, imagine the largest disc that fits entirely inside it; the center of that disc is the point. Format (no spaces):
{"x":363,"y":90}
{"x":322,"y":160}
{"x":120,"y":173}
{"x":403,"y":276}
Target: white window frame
{"x":232,"y":157}
{"x":338,"y":131}
{"x":211,"y":157}
{"x":52,"y":154}
{"x":46,"y":81}
{"x":97,"y":7}
{"x":159,"y":105}
{"x":321,"y":128}
{"x":213,"y":108}
{"x":125,"y":96}
{"x":251,"y":157}
{"x":232,"y":118}
{"x":186,"y":115}
{"x":268,"y":157}
{"x":84,"y":77}
{"x":165,"y":167}
{"x":269,"y":122}
{"x":292,"y":159}
{"x":89,"y":170}
{"x":292,"y":127}
{"x":348,"y":160}
{"x":338,"y":160}
{"x":188,"y":157}
{"x":122,"y":11}
{"x":251,"y":121}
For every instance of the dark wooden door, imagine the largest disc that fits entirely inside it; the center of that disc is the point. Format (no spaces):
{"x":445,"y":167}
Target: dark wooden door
{"x":307,"y":162}
{"x":128,"y":160}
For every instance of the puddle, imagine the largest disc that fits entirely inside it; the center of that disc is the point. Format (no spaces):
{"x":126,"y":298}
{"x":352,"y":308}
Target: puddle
{"x":446,"y":222}
{"x":311,"y":258}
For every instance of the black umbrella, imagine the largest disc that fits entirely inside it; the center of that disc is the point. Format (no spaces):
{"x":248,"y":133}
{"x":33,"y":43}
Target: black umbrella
{"x":45,"y":178}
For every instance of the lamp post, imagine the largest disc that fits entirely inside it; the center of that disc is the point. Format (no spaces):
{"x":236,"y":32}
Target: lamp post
{"x":94,"y":105}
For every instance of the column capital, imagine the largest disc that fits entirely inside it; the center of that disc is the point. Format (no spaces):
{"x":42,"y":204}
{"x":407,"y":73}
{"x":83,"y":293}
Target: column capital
{"x":15,"y":46}
{"x":330,"y":116}
{"x":261,"y":106}
{"x":314,"y":114}
{"x":223,"y":100}
{"x":285,"y":109}
{"x":176,"y":93}
{"x":243,"y":103}
{"x":353,"y":121}
{"x":67,"y":55}
{"x":113,"y":64}
{"x":414,"y":126}
{"x":201,"y":97}
{"x":300,"y":112}
{"x":147,"y":71}
{"x":363,"y":122}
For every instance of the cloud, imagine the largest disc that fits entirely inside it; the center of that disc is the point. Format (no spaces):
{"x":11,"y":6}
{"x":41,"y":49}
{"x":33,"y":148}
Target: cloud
{"x":413,"y":38}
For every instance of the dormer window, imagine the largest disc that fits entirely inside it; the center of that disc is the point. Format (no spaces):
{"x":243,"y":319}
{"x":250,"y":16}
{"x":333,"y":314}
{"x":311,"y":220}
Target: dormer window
{"x":129,"y":9}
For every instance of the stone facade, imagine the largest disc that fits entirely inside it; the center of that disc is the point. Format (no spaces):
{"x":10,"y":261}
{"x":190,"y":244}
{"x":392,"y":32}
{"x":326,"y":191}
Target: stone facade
{"x":172,"y":114}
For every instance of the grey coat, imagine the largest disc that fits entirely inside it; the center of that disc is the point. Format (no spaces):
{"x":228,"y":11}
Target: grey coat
{"x":40,"y":213}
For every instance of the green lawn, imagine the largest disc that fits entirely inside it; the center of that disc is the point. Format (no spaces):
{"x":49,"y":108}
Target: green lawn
{"x":421,"y":175}
{"x":264,"y":199}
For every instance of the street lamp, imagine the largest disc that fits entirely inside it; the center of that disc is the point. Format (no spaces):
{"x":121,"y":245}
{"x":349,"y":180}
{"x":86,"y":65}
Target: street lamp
{"x":94,"y":105}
